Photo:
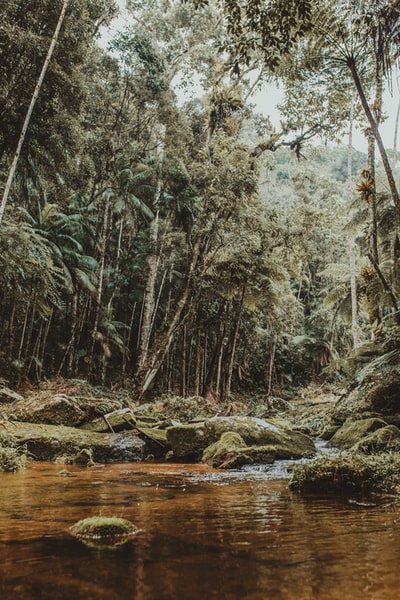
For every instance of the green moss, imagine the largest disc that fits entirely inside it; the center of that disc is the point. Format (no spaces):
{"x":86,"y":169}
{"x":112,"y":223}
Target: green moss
{"x":12,"y":458}
{"x":229,"y":443}
{"x":104,"y":532}
{"x":354,"y":431}
{"x":348,"y":474}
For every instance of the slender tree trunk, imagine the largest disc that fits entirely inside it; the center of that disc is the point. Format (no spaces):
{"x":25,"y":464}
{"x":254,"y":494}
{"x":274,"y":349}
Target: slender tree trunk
{"x":127,"y":342}
{"x":23,"y":333}
{"x":99,"y":296}
{"x":375,"y":129}
{"x":73,"y":334}
{"x":198,"y":364}
{"x":163,"y":342}
{"x":212,"y":372}
{"x":396,"y":132}
{"x":373,"y":222}
{"x":218,"y":379}
{"x":153,"y":260}
{"x":30,"y":110}
{"x":387,"y":288}
{"x":44,"y":341}
{"x":271,"y":363}
{"x":11,"y":330}
{"x":355,"y":327}
{"x":232,"y":348}
{"x":183,"y":363}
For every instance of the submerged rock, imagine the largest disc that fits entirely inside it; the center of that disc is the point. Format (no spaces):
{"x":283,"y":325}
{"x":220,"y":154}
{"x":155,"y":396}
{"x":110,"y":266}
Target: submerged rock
{"x":104,"y":532}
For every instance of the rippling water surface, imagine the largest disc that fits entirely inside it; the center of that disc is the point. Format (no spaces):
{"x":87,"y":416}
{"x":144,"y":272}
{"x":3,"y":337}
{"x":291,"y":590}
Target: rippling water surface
{"x":203,"y":535}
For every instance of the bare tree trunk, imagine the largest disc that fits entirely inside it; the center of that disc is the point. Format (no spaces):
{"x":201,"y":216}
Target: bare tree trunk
{"x":153,"y":259}
{"x":271,"y":363}
{"x":395,"y":135}
{"x":198,"y":364}
{"x":355,"y":327}
{"x":375,"y":129}
{"x":387,"y":288}
{"x":104,"y":236}
{"x":128,"y":340}
{"x":183,"y":363}
{"x":163,"y":343}
{"x":373,"y":223}
{"x":232,"y":348}
{"x":30,"y":110}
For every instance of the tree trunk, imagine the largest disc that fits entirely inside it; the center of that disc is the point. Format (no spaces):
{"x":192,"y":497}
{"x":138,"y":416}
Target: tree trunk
{"x":198,"y":364}
{"x":30,"y":110}
{"x":163,"y":343}
{"x":99,"y":295}
{"x":355,"y":327}
{"x":385,"y":161}
{"x":373,"y":223}
{"x":232,"y":348}
{"x":153,"y":259}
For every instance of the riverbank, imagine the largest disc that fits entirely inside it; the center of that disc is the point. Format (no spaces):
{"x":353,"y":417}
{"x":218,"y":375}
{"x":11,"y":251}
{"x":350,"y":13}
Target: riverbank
{"x":71,"y":422}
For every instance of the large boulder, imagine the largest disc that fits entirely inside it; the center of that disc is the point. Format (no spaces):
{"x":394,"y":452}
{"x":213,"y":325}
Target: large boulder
{"x":57,"y":409}
{"x":54,"y":442}
{"x":374,"y":392}
{"x":384,"y":439}
{"x":188,"y":442}
{"x":274,"y":433}
{"x":231,"y":451}
{"x":353,"y":432}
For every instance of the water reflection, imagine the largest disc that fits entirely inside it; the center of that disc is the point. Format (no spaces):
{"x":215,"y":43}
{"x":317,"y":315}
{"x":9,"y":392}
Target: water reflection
{"x":203,"y":534}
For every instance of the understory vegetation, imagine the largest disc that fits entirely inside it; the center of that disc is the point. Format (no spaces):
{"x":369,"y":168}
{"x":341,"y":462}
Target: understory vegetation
{"x":160,"y":233}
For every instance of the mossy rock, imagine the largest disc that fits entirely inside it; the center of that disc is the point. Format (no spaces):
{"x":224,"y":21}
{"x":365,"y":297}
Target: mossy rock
{"x":104,"y":532}
{"x":231,"y":452}
{"x":353,"y":432}
{"x":384,"y":396}
{"x":375,"y":392}
{"x":229,"y":443}
{"x":48,"y":442}
{"x":187,"y":441}
{"x":275,"y":433}
{"x":181,"y":409}
{"x":384,"y":439}
{"x":353,"y":474}
{"x":54,"y":410}
{"x":12,"y":458}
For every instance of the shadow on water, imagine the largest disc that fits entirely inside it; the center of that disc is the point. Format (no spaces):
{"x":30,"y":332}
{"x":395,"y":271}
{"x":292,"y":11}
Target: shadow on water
{"x":202,"y":534}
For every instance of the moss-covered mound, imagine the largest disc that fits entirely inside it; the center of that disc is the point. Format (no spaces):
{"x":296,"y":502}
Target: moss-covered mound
{"x":353,"y":432}
{"x":354,"y":474}
{"x":376,"y":392}
{"x":12,"y":458}
{"x":104,"y":531}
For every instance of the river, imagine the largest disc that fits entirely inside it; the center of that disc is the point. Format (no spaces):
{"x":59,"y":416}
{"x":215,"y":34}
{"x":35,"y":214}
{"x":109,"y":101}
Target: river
{"x":203,"y":534}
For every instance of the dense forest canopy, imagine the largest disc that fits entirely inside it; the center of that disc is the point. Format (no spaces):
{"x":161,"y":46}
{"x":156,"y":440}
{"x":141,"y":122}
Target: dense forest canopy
{"x":195,"y":248}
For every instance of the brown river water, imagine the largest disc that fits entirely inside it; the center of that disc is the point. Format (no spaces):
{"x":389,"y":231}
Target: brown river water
{"x":202,"y":534}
